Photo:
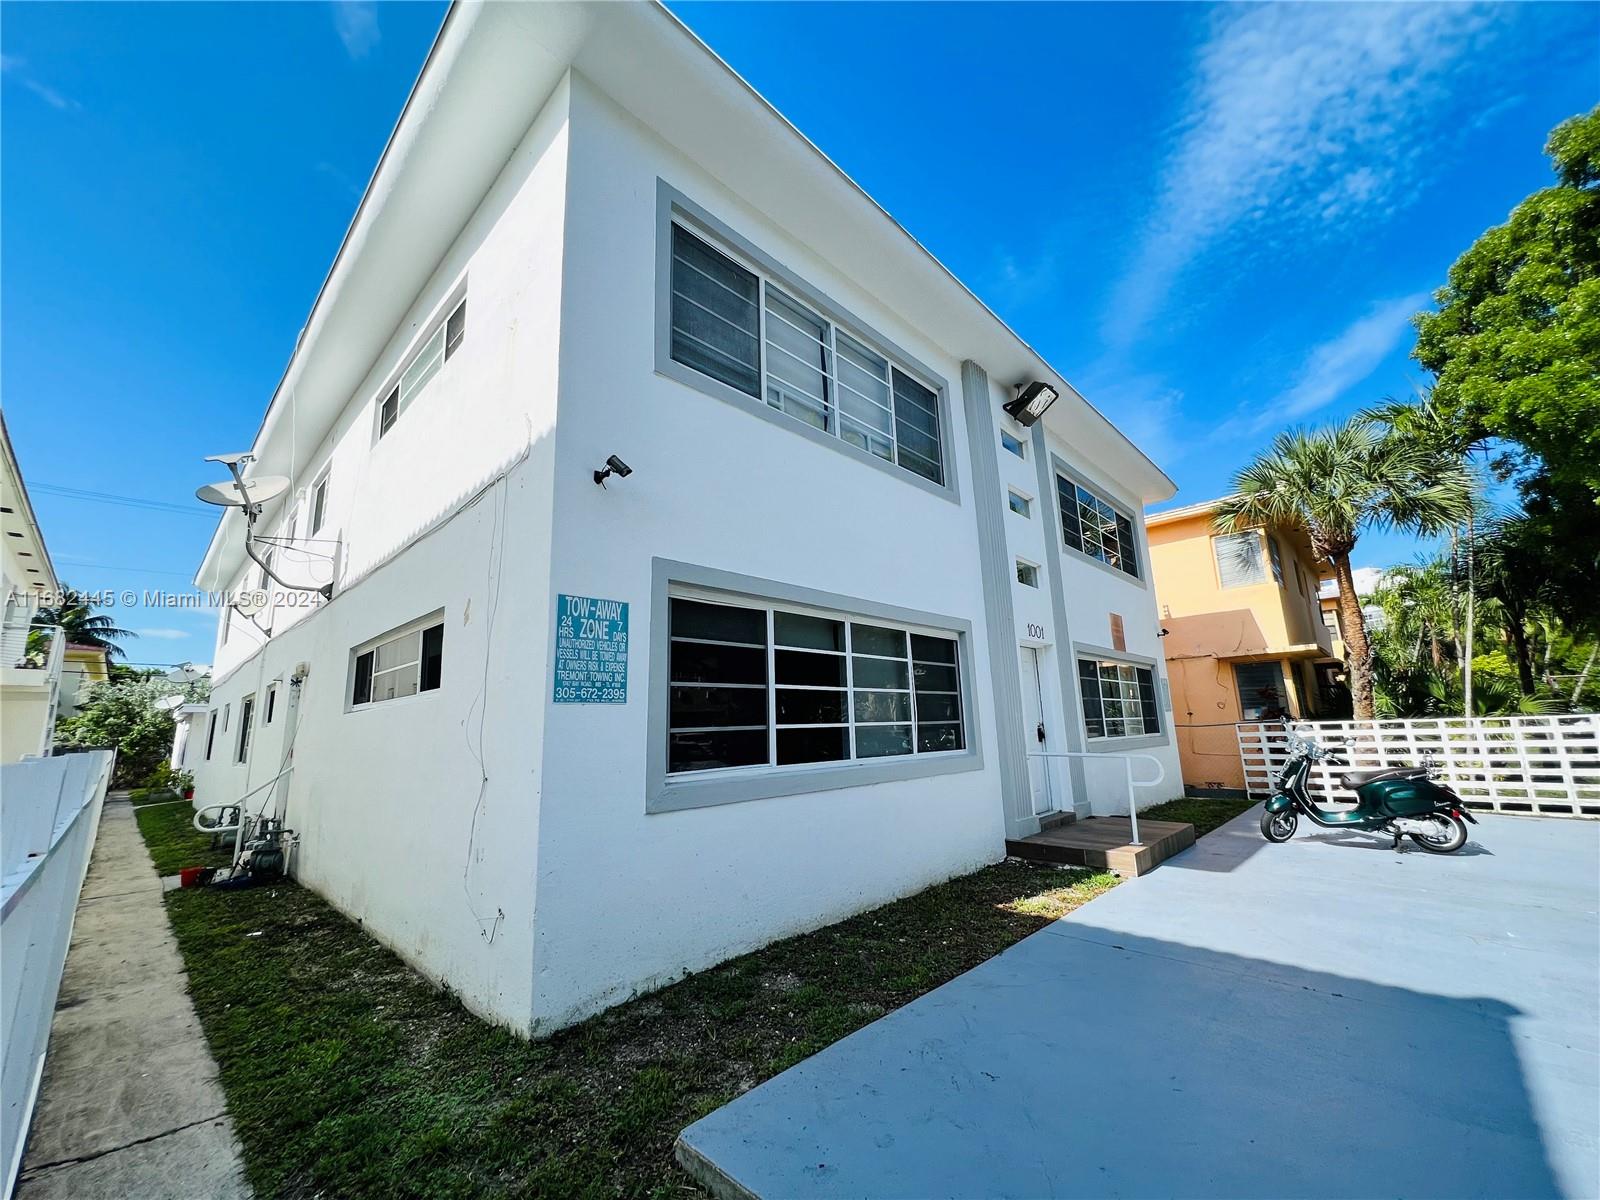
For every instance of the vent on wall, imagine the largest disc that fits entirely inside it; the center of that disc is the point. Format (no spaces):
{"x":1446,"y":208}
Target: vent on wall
{"x":1119,"y":639}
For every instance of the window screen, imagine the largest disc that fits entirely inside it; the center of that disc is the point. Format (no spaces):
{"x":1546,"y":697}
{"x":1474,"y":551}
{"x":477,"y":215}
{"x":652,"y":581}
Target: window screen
{"x":716,"y":321}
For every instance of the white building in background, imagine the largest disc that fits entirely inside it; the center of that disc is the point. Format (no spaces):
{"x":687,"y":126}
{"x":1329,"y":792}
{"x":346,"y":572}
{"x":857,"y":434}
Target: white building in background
{"x":558,"y":743}
{"x":30,"y":673}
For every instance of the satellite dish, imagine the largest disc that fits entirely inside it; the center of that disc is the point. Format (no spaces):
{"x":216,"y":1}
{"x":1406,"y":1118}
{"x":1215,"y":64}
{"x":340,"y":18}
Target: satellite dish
{"x":170,"y":703}
{"x":228,"y":495}
{"x":249,"y":603}
{"x":230,"y":460}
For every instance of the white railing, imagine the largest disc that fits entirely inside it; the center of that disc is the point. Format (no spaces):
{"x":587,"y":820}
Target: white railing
{"x":1532,"y":765}
{"x":1127,"y":763}
{"x":49,"y":814}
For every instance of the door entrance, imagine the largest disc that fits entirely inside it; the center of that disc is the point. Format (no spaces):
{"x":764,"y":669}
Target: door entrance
{"x":1033,"y":732}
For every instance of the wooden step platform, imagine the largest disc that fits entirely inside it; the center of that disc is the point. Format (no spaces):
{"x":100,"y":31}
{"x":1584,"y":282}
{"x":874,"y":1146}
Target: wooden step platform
{"x":1104,"y":843}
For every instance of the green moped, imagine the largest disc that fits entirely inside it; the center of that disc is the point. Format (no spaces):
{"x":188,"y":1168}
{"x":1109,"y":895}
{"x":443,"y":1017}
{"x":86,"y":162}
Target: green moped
{"x":1398,"y":801}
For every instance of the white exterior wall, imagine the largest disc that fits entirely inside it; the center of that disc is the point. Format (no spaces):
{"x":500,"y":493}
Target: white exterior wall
{"x":628,"y":901}
{"x":397,"y":824}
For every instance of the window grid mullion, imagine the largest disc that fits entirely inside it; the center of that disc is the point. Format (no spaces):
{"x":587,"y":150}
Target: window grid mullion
{"x":772,"y":678}
{"x":850,"y":685}
{"x":761,"y":350}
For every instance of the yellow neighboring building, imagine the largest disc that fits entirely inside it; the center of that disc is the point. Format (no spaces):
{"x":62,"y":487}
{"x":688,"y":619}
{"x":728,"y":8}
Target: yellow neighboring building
{"x":84,"y":667}
{"x":1243,"y":635}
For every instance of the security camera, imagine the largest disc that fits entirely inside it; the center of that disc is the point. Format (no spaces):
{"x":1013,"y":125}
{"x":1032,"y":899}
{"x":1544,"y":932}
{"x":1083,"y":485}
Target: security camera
{"x":614,"y":466}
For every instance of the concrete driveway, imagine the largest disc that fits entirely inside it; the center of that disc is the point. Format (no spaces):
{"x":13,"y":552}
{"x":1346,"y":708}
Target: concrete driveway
{"x":1321,"y":1018}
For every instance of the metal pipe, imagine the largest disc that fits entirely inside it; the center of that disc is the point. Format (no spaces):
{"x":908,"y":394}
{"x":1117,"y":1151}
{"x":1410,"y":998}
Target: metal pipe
{"x":1127,"y":762}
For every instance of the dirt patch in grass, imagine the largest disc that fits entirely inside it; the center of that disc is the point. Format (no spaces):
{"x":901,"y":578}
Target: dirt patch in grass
{"x":1205,"y":814}
{"x":348,"y":1075}
{"x":173,"y":840}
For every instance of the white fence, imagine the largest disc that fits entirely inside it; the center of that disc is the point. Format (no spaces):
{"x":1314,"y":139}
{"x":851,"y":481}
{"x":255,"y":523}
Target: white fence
{"x":1541,"y":765}
{"x":49,"y":814}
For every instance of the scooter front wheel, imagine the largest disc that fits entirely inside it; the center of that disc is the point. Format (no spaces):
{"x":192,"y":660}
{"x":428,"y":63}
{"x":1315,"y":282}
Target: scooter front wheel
{"x":1279,"y":826}
{"x":1451,"y":834}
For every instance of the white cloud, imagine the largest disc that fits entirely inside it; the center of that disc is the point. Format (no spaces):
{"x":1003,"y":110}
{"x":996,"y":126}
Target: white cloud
{"x":1337,"y":365}
{"x":1303,"y":119}
{"x":17,"y":69}
{"x":356,"y":22}
{"x":1330,"y":370}
{"x":163,"y":634}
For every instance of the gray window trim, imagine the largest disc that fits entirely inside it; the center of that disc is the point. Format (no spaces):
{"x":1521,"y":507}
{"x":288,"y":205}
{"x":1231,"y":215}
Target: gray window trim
{"x":1135,"y":517}
{"x":1115,"y":745}
{"x":673,"y":206}
{"x":673,"y":793}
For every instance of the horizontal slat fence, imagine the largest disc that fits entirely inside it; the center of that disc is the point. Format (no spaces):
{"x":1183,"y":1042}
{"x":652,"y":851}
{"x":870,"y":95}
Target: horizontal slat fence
{"x":1533,"y":765}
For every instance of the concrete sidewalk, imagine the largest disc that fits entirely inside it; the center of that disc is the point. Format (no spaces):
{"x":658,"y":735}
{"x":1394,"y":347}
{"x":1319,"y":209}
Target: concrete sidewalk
{"x":1322,"y":1018}
{"x":130,"y":1105}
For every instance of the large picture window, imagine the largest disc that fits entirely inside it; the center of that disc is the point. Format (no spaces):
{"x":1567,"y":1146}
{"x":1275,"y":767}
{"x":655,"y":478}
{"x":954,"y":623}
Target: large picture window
{"x":401,"y":664}
{"x":1090,"y":525}
{"x":1119,"y":698}
{"x":742,"y":329}
{"x":754,"y":685}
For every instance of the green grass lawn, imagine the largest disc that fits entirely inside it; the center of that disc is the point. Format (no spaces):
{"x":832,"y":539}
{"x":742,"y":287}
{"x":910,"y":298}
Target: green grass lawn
{"x":140,"y":796}
{"x":348,"y":1075}
{"x":173,"y":840}
{"x":1205,"y":814}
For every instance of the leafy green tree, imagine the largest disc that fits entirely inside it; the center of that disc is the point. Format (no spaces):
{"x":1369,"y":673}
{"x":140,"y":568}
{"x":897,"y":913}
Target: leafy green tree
{"x":1515,"y":345}
{"x":128,"y":718}
{"x":1337,"y":483}
{"x":82,"y":625}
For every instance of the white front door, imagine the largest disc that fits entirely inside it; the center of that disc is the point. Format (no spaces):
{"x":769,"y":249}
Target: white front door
{"x":1033,"y":731}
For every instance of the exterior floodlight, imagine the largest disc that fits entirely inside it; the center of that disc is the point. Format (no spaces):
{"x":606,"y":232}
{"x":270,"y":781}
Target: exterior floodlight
{"x":614,"y":466}
{"x":1031,"y":402}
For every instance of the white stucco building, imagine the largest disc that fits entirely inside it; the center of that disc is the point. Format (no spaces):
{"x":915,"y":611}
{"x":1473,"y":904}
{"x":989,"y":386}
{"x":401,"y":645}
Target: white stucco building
{"x":851,"y":602}
{"x":30,"y":657}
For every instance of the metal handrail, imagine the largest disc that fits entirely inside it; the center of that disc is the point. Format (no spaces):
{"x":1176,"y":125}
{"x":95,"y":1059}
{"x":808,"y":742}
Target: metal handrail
{"x":237,"y":830}
{"x":1127,"y":762}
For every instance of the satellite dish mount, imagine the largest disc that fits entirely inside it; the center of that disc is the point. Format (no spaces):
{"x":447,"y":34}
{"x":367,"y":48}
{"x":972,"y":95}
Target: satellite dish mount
{"x":250,"y":496}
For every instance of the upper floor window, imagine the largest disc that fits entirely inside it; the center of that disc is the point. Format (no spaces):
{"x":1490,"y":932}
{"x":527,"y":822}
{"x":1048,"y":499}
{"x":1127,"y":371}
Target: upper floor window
{"x":319,"y":503}
{"x":399,"y":664}
{"x":1020,"y":504}
{"x":1119,"y":698}
{"x":1239,"y":558}
{"x":1013,"y":445}
{"x":424,"y":365}
{"x":744,"y":330}
{"x":247,"y":708}
{"x":1090,"y":525}
{"x":1277,"y":559}
{"x":753,"y":685}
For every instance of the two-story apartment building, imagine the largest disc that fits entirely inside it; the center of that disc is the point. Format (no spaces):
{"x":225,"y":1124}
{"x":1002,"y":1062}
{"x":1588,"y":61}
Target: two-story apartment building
{"x":1243,"y":635}
{"x":562,"y":734}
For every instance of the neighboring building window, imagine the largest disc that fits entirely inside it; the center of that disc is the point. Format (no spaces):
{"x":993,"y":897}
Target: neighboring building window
{"x":1090,"y":525}
{"x":1330,"y":618}
{"x":226,"y":709}
{"x":1260,"y":691}
{"x":402,"y":664}
{"x":269,"y":709}
{"x":1014,"y":445}
{"x":1239,"y":561}
{"x":455,"y":331}
{"x":733,"y":325}
{"x":1277,"y":559}
{"x":319,"y":503}
{"x":1020,"y":504}
{"x":247,"y":708}
{"x":211,"y":732}
{"x":1027,"y":574}
{"x":1119,"y":699}
{"x":753,"y":686}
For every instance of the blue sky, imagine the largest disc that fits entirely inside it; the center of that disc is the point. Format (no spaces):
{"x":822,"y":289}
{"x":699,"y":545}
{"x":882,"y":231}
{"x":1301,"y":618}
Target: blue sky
{"x":1214,"y":221}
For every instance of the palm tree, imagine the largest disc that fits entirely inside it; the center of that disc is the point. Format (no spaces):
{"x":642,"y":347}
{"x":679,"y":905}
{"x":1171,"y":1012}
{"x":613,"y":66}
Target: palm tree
{"x":82,"y":626}
{"x":1336,"y":484}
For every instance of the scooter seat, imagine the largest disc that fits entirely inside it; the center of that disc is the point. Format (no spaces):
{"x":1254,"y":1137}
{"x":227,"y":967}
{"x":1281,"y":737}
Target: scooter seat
{"x":1355,"y":779}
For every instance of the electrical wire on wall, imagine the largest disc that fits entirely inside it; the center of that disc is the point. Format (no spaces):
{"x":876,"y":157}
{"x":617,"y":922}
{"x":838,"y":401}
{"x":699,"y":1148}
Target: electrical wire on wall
{"x":498,"y":487}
